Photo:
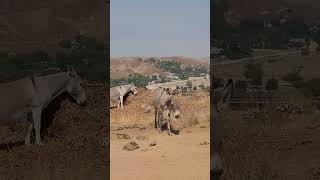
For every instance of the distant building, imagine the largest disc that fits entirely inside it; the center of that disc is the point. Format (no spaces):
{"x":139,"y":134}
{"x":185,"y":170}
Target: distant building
{"x":157,"y":75}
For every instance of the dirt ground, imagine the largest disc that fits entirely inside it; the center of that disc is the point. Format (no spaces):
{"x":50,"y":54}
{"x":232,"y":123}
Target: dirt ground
{"x":271,"y":146}
{"x":73,"y":143}
{"x":183,"y":156}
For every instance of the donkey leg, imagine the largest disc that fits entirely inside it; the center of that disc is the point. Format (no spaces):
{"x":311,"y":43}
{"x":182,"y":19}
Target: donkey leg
{"x":37,"y":123}
{"x":155,"y":119}
{"x":121,"y":101}
{"x":27,"y":139}
{"x":169,"y":128}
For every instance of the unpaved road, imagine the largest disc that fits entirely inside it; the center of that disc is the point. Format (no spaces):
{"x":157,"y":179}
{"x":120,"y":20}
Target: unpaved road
{"x":172,"y":158}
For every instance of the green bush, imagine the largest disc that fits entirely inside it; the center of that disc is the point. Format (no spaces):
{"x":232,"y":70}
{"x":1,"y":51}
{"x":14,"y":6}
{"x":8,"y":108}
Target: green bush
{"x":138,"y":80}
{"x":116,"y":82}
{"x":254,"y":72}
{"x":294,"y":77}
{"x":272,"y":84}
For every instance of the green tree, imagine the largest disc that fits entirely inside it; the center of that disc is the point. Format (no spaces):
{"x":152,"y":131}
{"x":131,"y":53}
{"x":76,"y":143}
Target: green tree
{"x":138,"y":79}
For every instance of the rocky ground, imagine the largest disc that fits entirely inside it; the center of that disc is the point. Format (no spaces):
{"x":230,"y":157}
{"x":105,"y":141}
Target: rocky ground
{"x":137,"y":149}
{"x":275,"y":145}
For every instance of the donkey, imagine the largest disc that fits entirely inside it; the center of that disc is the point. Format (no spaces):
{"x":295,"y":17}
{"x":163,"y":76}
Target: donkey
{"x":33,"y":94}
{"x":117,"y":93}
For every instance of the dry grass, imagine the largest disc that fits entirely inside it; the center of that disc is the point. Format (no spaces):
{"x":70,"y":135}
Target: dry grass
{"x":280,"y":147}
{"x":193,"y":110}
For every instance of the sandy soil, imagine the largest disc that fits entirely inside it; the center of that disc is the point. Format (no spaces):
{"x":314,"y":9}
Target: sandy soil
{"x":173,"y":157}
{"x":184,"y":156}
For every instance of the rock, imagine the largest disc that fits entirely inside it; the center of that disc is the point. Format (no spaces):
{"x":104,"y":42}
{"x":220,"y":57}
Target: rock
{"x":123,"y":136}
{"x":204,"y":143}
{"x":141,"y":138}
{"x":131,"y":146}
{"x":153,"y":143}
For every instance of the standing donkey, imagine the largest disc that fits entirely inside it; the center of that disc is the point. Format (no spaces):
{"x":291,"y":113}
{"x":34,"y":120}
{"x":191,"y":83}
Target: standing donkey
{"x":33,"y":94}
{"x":117,"y":93}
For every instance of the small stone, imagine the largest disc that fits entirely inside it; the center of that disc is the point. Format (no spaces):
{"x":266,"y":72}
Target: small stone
{"x":123,"y":136}
{"x":204,"y":143}
{"x":153,"y":143}
{"x":141,"y":138}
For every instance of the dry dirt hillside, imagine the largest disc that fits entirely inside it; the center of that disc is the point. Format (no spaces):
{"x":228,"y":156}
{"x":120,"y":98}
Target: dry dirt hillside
{"x":306,"y":9}
{"x":122,"y":67}
{"x":159,"y":156}
{"x":276,"y":69}
{"x":27,"y":25}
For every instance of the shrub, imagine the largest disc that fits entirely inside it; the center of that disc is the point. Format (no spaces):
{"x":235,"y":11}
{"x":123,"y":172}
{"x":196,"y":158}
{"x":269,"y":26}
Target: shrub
{"x":294,"y":77}
{"x":254,"y":72}
{"x":272,"y":84}
{"x":116,"y":82}
{"x":189,"y":84}
{"x":138,"y":80}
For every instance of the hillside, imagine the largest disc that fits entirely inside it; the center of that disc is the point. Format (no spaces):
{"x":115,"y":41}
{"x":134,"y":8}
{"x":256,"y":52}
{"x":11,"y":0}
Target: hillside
{"x":25,"y":26}
{"x":306,"y":9}
{"x":122,"y":67}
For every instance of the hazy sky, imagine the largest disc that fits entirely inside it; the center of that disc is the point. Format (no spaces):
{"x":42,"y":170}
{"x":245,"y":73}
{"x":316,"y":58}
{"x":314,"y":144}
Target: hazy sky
{"x":160,"y":28}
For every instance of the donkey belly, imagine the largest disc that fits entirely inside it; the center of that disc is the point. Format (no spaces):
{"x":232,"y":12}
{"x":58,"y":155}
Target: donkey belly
{"x":14,"y":116}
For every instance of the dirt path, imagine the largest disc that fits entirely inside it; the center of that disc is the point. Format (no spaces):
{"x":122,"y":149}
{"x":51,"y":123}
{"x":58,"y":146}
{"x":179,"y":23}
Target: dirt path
{"x":173,"y":157}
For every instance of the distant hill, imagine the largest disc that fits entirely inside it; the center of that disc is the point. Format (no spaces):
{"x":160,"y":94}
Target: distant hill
{"x":34,"y":24}
{"x":123,"y":67}
{"x":306,"y":9}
